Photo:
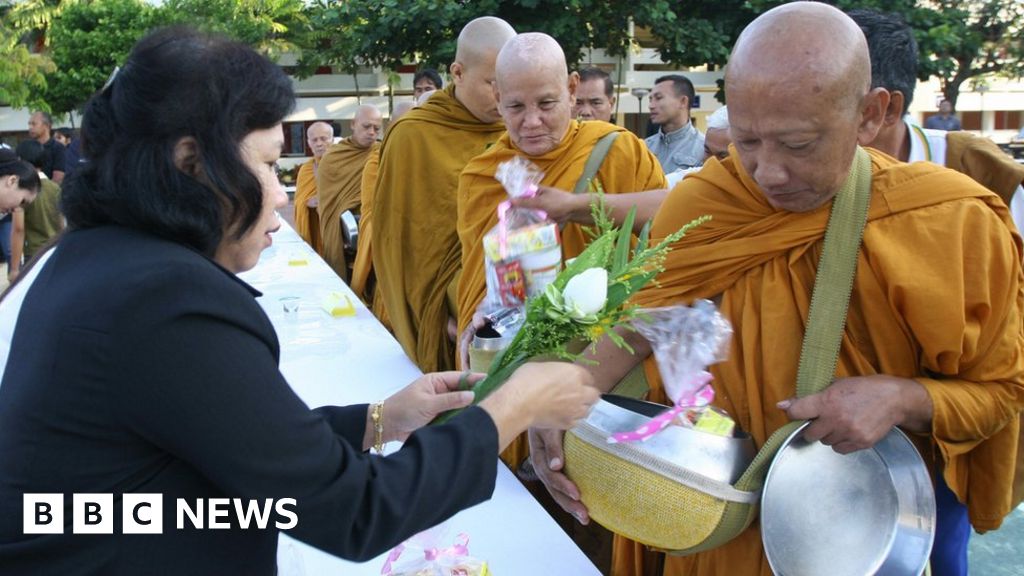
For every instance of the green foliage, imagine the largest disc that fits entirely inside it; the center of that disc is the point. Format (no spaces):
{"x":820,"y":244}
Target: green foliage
{"x":957,"y":39}
{"x":87,"y":40}
{"x":271,"y":26}
{"x":22,"y":73}
{"x":388,"y":33}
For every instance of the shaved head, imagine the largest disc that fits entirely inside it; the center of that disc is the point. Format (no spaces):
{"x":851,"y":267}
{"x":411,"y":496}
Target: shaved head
{"x":831,"y":59}
{"x":481,"y":39}
{"x":534,"y":51}
{"x":535,"y":92}
{"x":401,"y":108}
{"x":799,"y":109}
{"x":473,"y":70}
{"x":319,"y":136}
{"x":366,"y":125}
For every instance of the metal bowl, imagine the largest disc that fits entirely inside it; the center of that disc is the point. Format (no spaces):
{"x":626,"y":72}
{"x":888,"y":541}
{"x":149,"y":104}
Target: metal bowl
{"x":716,"y":457}
{"x":869,"y":512}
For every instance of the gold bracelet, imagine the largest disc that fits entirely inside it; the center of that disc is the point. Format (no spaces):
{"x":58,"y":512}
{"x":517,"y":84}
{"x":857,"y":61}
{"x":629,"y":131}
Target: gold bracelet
{"x":377,"y":416}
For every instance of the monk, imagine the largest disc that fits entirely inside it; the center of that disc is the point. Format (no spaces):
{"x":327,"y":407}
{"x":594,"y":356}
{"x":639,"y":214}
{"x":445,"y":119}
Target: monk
{"x":932,"y":340}
{"x":415,"y":246}
{"x":362,"y":269}
{"x":319,"y":136}
{"x":339,"y":180}
{"x":535,"y":95}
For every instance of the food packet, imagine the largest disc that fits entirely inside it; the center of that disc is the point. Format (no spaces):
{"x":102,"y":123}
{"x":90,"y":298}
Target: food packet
{"x":522,"y":253}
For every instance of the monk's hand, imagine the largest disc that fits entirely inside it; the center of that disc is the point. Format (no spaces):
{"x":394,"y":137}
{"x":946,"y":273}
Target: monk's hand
{"x":854,"y":413}
{"x":561,"y":206}
{"x":548,"y":458}
{"x":418,"y":403}
{"x":466,"y":339}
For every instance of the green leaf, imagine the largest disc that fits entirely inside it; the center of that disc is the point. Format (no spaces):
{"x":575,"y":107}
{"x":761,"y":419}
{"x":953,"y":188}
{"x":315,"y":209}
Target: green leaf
{"x":622,"y":243}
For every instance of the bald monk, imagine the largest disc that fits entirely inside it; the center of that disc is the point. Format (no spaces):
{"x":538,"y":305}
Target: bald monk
{"x":362,"y":269}
{"x":339,"y":180}
{"x":933,"y":336}
{"x":535,"y":95}
{"x":416,"y":252}
{"x":319,"y":136}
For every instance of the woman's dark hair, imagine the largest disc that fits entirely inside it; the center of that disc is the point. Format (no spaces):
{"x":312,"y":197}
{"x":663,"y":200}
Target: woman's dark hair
{"x":10,"y":163}
{"x":177,"y":83}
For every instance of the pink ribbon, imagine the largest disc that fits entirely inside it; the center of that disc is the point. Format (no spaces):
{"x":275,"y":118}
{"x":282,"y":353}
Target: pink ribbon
{"x":503,"y":208}
{"x":458,"y":550}
{"x":700,"y":398}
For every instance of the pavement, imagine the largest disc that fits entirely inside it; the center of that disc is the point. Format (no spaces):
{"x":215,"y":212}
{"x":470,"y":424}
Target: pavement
{"x":999,"y":553}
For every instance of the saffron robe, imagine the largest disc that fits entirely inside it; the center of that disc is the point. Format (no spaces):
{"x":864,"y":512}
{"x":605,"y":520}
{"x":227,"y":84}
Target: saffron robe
{"x":629,"y":167}
{"x":363,"y":267}
{"x":340,"y":176}
{"x":416,"y":252}
{"x":307,"y":220}
{"x":936,"y":298}
{"x":982,"y":160}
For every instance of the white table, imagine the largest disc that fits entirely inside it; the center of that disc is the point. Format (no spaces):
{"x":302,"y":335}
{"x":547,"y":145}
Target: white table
{"x":350,"y":360}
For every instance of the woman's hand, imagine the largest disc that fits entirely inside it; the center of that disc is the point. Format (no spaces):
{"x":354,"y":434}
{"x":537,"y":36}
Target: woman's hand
{"x":428,"y":396}
{"x":541,"y":394}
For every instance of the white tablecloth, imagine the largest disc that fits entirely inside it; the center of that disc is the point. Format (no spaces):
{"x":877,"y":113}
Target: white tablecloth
{"x":349,"y":360}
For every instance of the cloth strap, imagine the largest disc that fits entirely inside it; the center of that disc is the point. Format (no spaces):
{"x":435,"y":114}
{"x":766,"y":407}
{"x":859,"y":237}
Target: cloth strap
{"x":594,"y":162}
{"x":830,"y":301}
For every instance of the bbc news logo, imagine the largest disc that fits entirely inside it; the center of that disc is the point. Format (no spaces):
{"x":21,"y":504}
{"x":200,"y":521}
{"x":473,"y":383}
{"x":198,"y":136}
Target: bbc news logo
{"x":144,"y":513}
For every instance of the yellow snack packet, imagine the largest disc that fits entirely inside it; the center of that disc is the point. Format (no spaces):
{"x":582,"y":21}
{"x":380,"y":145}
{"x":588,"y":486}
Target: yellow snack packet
{"x":337,"y":304}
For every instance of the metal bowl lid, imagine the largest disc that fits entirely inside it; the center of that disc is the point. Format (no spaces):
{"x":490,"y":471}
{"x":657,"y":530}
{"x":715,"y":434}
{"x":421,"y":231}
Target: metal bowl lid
{"x":869,"y":512}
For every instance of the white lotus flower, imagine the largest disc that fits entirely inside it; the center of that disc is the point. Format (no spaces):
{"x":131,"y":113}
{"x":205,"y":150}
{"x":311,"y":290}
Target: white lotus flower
{"x":586,"y":293}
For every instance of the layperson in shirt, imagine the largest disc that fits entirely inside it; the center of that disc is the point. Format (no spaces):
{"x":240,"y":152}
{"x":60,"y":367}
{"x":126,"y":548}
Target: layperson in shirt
{"x":677,"y":144}
{"x":595,"y":96}
{"x":135,"y":361}
{"x":39,"y":221}
{"x":40,"y":129}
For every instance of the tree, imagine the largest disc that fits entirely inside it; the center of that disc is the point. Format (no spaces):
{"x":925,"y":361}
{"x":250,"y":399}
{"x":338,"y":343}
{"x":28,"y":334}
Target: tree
{"x":968,"y":39}
{"x":87,"y":41}
{"x":272,"y":27}
{"x":387,"y":33}
{"x":958,"y":40}
{"x":22,"y":73}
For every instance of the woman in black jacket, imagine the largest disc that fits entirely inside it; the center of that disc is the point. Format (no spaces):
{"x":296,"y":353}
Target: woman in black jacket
{"x":138,"y":363}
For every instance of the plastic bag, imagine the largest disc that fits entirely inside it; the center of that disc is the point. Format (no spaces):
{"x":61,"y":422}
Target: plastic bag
{"x":522,"y":253}
{"x":426,"y":555}
{"x":685,"y":341}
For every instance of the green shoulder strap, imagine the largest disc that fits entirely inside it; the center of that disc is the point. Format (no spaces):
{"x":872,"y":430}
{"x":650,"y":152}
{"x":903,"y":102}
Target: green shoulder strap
{"x":829,"y":303}
{"x":594,"y":161}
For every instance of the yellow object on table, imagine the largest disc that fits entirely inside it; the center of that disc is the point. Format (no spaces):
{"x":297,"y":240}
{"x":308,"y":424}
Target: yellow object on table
{"x":337,"y":304}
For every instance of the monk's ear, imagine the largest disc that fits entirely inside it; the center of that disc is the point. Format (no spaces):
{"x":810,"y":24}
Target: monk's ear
{"x":574,"y":84}
{"x":187,"y":157}
{"x":456,"y":72}
{"x":872,"y":115}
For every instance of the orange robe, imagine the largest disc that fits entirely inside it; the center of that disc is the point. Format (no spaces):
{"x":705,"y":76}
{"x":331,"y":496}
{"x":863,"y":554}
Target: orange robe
{"x":363,"y":267}
{"x":937,"y":297}
{"x":415,"y":246}
{"x":307,"y":221}
{"x":628,"y":167}
{"x":339,"y":178}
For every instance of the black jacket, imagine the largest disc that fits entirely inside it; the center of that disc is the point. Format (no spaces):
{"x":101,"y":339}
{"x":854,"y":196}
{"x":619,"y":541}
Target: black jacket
{"x":140,"y":366}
